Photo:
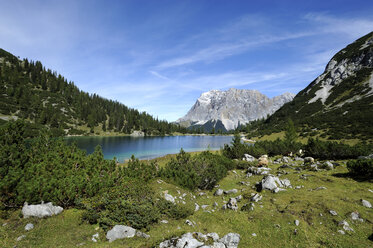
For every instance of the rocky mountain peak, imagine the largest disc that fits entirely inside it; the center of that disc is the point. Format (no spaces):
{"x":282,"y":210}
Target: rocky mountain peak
{"x":231,"y":108}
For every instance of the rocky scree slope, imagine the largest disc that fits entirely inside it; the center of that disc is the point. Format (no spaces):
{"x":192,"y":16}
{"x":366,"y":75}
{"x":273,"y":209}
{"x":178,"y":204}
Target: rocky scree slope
{"x":340,"y":100}
{"x":226,"y":110}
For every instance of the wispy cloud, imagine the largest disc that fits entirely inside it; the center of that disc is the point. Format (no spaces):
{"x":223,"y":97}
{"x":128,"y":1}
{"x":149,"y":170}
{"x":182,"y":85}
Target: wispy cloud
{"x":352,"y":27}
{"x":223,"y":50}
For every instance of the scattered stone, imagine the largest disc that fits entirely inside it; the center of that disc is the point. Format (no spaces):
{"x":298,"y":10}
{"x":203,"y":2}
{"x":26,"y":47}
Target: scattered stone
{"x":274,"y":184}
{"x":192,"y":240}
{"x":232,"y":204}
{"x":286,"y":183}
{"x":286,"y":159}
{"x":332,"y":212}
{"x":202,"y":194}
{"x":239,"y":198}
{"x":217,"y":245}
{"x":214,"y":236}
{"x":169,"y":198}
{"x":29,"y":226}
{"x":313,"y":167}
{"x":304,"y":176}
{"x":215,"y":204}
{"x":309,"y":160}
{"x":204,"y":206}
{"x":299,"y":159}
{"x":328,"y":165}
{"x":219,"y":192}
{"x":164,"y":221}
{"x":201,"y":236}
{"x":95,"y":237}
{"x":249,"y":174}
{"x":4,"y":224}
{"x":366,"y":203}
{"x":187,"y":240}
{"x":120,"y":232}
{"x":142,"y":235}
{"x":296,"y":222}
{"x":253,"y":234}
{"x":355,"y":216}
{"x":159,"y":181}
{"x":345,"y":226}
{"x":196,"y":207}
{"x":256,"y":198}
{"x":248,"y":158}
{"x":371,"y":191}
{"x":277,"y":225}
{"x":20,"y":238}
{"x":248,"y":207}
{"x":299,"y":187}
{"x":40,"y":210}
{"x":190,"y":223}
{"x":257,"y":171}
{"x":341,"y":232}
{"x":231,"y":240}
{"x":263,"y":161}
{"x":232,"y":191}
{"x":295,"y":232}
{"x":320,"y":188}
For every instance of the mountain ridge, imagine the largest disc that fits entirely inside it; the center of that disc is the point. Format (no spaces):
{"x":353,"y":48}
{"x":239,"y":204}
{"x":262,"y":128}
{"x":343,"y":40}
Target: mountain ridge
{"x":338,"y":102}
{"x":226,"y":110}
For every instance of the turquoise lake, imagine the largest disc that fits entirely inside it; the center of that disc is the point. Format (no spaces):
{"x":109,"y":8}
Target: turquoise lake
{"x":148,"y":147}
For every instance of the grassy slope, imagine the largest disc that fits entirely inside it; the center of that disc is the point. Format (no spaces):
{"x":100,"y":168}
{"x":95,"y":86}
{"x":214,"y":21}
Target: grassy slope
{"x":342,"y":195}
{"x":304,"y":140}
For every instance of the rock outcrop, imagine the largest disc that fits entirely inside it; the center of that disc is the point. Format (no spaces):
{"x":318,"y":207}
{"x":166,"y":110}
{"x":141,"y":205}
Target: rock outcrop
{"x":196,"y":239}
{"x":226,"y":110}
{"x":120,"y":232}
{"x":40,"y":210}
{"x":274,"y":184}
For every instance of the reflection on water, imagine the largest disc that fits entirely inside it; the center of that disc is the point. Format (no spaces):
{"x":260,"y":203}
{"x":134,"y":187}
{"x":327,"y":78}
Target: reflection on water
{"x":148,"y":147}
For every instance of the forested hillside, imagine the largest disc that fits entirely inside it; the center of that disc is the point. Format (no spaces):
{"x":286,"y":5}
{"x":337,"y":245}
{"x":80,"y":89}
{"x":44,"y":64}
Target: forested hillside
{"x":32,"y":92}
{"x":338,"y":103}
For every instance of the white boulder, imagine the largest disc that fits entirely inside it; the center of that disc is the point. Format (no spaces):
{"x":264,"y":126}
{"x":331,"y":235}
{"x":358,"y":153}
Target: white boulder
{"x":40,"y":210}
{"x":366,"y":203}
{"x":231,"y":240}
{"x":120,"y":232}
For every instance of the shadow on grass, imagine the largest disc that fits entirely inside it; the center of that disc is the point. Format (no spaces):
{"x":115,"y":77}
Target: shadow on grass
{"x":352,"y":176}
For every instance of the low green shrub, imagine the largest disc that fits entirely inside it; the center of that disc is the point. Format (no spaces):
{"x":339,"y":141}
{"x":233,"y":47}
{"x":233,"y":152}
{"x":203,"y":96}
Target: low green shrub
{"x":46,"y":169}
{"x":201,"y":171}
{"x":237,"y":149}
{"x":361,"y":168}
{"x":130,"y":203}
{"x":333,"y":150}
{"x":136,"y":169}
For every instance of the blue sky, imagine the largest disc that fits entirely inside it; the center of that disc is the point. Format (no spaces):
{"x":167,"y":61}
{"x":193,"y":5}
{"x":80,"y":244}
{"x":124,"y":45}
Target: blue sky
{"x":159,"y":56}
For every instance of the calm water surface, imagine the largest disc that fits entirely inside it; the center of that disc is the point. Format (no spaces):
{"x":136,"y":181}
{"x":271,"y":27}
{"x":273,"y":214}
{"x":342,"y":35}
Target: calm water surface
{"x":148,"y":147}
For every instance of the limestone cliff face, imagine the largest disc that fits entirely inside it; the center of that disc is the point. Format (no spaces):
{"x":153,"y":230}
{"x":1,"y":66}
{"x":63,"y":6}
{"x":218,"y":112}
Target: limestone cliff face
{"x":232,"y":107}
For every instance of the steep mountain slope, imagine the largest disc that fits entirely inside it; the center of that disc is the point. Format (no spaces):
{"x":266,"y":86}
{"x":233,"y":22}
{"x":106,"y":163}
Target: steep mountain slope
{"x":339,"y":101}
{"x":226,"y":110}
{"x":41,"y":96}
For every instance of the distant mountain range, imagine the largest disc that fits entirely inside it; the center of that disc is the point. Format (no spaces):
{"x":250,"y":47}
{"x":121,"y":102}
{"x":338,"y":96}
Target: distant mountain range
{"x":226,"y":110}
{"x":339,"y":102}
